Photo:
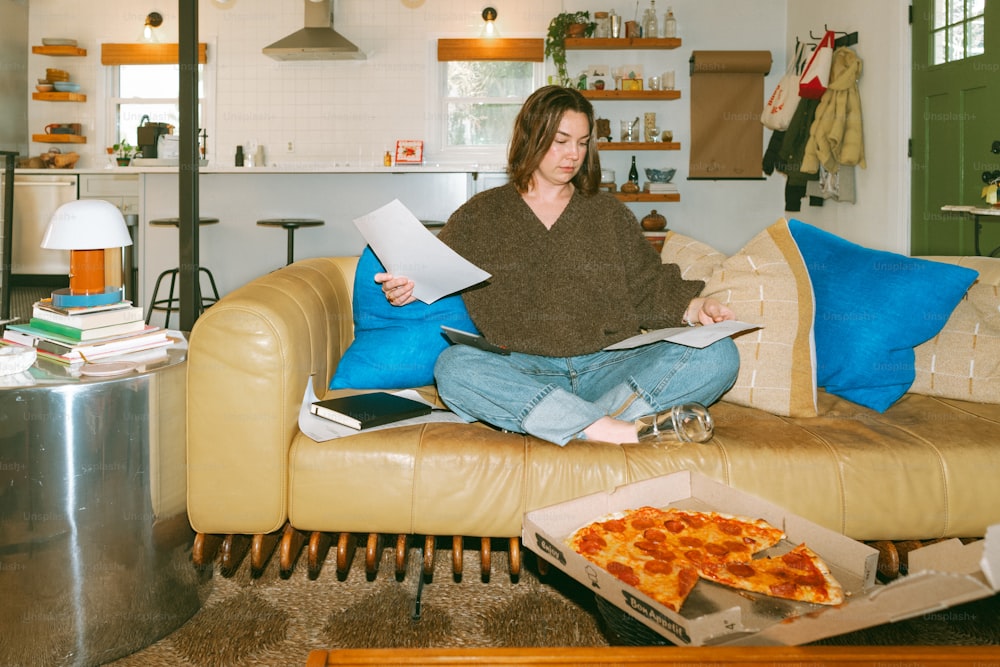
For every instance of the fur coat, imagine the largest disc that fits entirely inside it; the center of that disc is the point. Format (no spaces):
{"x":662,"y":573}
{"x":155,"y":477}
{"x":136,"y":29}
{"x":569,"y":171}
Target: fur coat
{"x":835,"y":137}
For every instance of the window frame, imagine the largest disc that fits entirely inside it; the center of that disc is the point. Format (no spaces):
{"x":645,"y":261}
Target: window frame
{"x":111,"y":94}
{"x":438,"y":100}
{"x":945,"y":10}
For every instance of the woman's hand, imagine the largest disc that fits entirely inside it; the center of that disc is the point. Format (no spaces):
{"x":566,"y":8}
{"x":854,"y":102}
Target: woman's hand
{"x":703,"y":310}
{"x":398,"y":290}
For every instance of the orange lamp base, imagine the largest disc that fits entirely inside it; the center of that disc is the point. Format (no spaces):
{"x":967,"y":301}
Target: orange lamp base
{"x":86,"y":271}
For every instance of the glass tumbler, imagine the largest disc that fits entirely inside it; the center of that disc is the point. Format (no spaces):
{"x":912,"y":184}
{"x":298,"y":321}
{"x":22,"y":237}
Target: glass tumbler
{"x":629,"y":131}
{"x":687,"y":422}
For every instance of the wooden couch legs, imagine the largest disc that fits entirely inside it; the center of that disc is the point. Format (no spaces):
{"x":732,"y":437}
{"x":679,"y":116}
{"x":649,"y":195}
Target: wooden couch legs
{"x":231,"y":550}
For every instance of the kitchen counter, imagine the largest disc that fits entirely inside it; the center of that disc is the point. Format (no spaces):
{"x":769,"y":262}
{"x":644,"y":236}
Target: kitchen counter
{"x":238,"y":250}
{"x":291,"y":168}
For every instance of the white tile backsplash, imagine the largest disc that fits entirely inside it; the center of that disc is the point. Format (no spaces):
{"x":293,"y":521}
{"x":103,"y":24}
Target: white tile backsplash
{"x":337,"y":111}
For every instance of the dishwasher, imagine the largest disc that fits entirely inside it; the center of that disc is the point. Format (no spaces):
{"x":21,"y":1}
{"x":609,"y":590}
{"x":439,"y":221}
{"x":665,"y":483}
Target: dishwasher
{"x":36,"y":198}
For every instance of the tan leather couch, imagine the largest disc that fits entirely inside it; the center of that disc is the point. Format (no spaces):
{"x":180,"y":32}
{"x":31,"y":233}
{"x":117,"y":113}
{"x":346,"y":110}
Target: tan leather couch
{"x":926,"y":468}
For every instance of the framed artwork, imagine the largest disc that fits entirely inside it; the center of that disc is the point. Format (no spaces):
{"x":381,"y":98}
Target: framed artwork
{"x":409,"y":151}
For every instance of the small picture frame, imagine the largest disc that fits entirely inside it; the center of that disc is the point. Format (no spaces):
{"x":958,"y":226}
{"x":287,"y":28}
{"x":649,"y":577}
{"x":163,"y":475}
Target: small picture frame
{"x":409,"y":151}
{"x":599,"y":77}
{"x":631,"y":84}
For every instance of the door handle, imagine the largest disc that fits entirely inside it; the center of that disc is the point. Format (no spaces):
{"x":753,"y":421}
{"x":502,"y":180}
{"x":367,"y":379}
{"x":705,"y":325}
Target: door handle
{"x":41,"y":183}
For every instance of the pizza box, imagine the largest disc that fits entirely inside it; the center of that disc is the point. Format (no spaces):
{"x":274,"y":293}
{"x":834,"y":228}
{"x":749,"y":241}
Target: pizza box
{"x":941,"y":575}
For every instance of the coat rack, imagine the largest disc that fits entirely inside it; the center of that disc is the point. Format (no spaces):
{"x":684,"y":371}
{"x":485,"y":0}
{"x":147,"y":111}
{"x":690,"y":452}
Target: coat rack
{"x":847,"y":39}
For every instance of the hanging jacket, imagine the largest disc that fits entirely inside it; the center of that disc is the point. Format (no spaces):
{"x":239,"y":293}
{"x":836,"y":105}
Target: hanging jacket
{"x":836,"y":137}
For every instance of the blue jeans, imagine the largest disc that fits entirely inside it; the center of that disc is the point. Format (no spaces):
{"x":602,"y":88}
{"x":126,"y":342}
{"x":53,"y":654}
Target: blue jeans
{"x":555,"y":398}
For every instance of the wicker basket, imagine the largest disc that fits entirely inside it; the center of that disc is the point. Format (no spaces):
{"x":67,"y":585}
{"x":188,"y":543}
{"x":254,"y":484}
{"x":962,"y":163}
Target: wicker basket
{"x":623,"y":630}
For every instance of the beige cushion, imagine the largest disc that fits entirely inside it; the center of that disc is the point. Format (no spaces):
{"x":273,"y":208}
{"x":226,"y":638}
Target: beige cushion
{"x":767,"y":283}
{"x":963,"y":360}
{"x":697,"y":260}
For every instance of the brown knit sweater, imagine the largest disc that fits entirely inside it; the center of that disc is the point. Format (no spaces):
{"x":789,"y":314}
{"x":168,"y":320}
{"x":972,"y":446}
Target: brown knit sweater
{"x":586,"y":283}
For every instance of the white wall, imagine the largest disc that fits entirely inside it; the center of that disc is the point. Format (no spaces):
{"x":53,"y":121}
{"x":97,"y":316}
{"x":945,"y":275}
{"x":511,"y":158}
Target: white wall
{"x":351,"y":111}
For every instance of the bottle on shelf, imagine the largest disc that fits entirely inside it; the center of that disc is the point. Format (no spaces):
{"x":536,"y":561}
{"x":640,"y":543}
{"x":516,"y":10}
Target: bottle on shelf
{"x":669,"y":23}
{"x":650,"y":25}
{"x":633,"y":173}
{"x":239,"y":156}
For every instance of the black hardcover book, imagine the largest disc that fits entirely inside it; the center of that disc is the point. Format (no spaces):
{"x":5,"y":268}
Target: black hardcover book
{"x":363,"y":411}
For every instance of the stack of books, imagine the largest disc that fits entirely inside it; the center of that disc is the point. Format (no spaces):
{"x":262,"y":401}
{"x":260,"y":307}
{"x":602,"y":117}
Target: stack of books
{"x":659,"y":188}
{"x":86,"y":333}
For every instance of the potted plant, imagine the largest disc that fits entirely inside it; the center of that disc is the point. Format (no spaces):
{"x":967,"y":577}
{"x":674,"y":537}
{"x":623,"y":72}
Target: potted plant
{"x":566,"y":24}
{"x":124,"y":151}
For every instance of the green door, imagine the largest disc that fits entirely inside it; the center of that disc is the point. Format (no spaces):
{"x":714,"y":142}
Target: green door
{"x":956,"y":119}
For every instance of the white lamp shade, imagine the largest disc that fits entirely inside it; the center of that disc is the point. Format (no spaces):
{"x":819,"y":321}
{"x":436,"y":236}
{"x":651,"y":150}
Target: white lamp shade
{"x":86,"y":224}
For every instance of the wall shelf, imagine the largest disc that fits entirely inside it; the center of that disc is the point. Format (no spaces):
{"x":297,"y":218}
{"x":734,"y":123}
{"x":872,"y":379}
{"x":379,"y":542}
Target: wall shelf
{"x":638,"y":145}
{"x":59,"y":97}
{"x":647,"y":197}
{"x":631,"y":94}
{"x":612,"y":44}
{"x":60,"y":51}
{"x":58,"y":139}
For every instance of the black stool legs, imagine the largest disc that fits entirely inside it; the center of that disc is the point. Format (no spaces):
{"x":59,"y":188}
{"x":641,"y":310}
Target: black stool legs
{"x":291,"y":224}
{"x":172,"y":303}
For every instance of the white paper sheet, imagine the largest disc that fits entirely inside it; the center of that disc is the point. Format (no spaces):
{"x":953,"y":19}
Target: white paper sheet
{"x":320,"y":429}
{"x":701,"y":336}
{"x":407,"y":248}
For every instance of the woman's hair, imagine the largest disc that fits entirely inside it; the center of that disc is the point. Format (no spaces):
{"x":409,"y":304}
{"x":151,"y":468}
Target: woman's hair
{"x":535,"y":130}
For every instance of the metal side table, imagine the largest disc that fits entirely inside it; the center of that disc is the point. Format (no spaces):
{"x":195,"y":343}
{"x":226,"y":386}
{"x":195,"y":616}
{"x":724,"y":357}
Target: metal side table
{"x":94,"y":538}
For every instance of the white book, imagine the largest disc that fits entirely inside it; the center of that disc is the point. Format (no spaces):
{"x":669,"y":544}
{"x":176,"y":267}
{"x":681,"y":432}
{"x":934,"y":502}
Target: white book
{"x":92,"y":320}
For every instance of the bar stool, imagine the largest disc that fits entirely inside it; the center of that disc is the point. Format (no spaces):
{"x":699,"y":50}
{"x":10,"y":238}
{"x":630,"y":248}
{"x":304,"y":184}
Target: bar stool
{"x":172,"y":303}
{"x":291,"y":224}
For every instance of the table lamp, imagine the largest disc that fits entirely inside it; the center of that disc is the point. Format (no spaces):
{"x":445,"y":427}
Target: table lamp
{"x":87,"y":227}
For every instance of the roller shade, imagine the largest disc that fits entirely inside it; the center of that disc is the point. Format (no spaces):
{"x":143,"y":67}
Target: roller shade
{"x":727,"y":96}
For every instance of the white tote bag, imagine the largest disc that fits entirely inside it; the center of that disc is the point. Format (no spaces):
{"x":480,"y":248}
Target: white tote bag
{"x":814,"y":80}
{"x":784,"y":100}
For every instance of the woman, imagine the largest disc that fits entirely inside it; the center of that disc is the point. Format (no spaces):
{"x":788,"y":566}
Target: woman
{"x":571,"y":274}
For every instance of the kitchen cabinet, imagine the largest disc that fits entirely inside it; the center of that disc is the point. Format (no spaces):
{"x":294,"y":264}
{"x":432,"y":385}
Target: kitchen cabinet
{"x":621,"y":45}
{"x":122,"y":190}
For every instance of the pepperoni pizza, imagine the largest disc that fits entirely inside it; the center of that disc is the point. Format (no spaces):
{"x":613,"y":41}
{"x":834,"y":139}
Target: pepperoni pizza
{"x":663,"y":552}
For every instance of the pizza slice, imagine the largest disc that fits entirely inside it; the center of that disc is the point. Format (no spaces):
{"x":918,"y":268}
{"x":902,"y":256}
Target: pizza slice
{"x":798,"y":575}
{"x":617,"y":544}
{"x":707,"y":537}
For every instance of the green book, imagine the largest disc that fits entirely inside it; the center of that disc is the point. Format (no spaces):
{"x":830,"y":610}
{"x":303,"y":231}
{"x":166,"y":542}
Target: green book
{"x":77,"y":334}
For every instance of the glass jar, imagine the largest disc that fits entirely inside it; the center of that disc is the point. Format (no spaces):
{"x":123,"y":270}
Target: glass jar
{"x":602,"y":29}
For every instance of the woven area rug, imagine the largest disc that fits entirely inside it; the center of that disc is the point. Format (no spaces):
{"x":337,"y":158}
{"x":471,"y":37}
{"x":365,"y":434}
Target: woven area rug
{"x":270,"y":621}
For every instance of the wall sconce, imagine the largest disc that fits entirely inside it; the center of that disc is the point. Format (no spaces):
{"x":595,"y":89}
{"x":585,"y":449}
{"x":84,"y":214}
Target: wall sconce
{"x":94,"y":231}
{"x":149,"y":33}
{"x":489,"y":25}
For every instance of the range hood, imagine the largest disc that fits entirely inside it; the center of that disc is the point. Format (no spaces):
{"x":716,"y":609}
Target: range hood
{"x":317,"y":40}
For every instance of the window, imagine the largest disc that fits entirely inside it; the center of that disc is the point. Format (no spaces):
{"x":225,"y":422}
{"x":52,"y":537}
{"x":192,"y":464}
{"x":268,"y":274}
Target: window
{"x":481,"y":100}
{"x":957,"y":30}
{"x":138,"y":91}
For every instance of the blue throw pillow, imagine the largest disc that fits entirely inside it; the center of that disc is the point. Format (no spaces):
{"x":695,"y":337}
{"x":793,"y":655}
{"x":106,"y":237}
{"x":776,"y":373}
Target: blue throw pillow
{"x":872,"y":308}
{"x":394,"y":346}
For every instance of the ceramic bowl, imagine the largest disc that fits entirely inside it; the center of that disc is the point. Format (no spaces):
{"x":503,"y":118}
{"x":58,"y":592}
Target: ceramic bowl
{"x":660,"y":175}
{"x":66,"y":86}
{"x":44,"y":87}
{"x":16,"y":359}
